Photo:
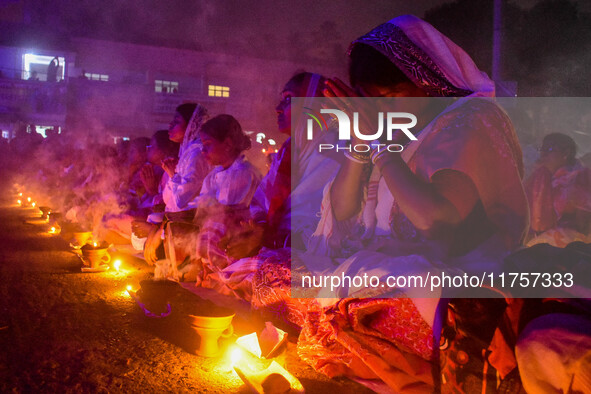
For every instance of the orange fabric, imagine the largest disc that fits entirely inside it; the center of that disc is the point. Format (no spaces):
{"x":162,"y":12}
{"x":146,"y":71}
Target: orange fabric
{"x":458,"y":189}
{"x":474,"y":138}
{"x":362,"y":338}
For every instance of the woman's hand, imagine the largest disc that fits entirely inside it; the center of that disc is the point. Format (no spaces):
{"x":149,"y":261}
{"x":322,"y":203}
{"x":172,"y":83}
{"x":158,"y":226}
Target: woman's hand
{"x":149,"y":180}
{"x":339,"y":92}
{"x":350,"y":178}
{"x":141,"y":228}
{"x":169,"y":165}
{"x":153,"y":241}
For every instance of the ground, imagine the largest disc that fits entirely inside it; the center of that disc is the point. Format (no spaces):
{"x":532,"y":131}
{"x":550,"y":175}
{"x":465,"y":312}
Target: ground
{"x":64,"y":331}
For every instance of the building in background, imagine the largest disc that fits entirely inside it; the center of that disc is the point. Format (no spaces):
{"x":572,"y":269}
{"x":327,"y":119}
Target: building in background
{"x":117,"y":90}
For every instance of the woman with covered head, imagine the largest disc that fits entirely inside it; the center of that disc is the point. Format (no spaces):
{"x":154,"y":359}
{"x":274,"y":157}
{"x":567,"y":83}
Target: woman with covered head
{"x":185,"y":173}
{"x":273,"y":206}
{"x":282,"y":204}
{"x":451,"y":202}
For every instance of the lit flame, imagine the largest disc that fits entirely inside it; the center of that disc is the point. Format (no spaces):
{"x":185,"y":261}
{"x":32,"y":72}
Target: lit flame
{"x":276,"y":150}
{"x":19,"y":202}
{"x":117,"y":264}
{"x":20,"y":194}
{"x":28,"y":199}
{"x":264,"y":150}
{"x":128,"y":288}
{"x":95,"y":244}
{"x":52,"y":230}
{"x":33,"y":205}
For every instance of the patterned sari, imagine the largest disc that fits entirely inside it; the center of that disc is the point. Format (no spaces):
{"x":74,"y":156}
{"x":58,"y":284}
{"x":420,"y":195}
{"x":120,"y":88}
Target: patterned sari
{"x":390,"y":344}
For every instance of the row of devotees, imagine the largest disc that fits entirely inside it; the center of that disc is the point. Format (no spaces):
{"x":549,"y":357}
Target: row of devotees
{"x":200,"y":212}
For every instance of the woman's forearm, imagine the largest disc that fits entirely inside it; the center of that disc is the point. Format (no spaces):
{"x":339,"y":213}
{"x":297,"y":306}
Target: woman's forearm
{"x":419,"y":200}
{"x":346,"y":193}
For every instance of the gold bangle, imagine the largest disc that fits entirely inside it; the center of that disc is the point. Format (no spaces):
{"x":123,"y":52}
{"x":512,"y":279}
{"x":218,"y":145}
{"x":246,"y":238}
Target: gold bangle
{"x":356,"y":158}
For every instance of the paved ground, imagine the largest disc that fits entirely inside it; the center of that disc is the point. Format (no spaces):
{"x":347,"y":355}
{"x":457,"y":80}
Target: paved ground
{"x":66,"y":331}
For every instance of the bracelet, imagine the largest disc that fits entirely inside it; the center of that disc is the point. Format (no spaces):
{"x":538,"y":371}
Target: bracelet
{"x":357,"y":158}
{"x":375,"y":154}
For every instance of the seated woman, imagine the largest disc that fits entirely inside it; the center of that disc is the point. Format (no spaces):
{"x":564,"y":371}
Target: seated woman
{"x":559,"y":193}
{"x":276,"y":213}
{"x":185,"y":173}
{"x":272,"y":206}
{"x":451,"y":200}
{"x":119,"y":228}
{"x":222,"y":205}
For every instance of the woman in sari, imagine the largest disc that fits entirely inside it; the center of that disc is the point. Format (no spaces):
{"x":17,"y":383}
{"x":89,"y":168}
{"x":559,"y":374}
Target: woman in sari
{"x":185,"y":174}
{"x":281,"y":205}
{"x":559,"y":193}
{"x":450,"y":202}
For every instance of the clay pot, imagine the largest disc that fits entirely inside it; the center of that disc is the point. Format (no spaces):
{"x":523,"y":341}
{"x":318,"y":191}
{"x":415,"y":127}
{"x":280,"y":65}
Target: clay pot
{"x":81,"y":238}
{"x":95,"y":256}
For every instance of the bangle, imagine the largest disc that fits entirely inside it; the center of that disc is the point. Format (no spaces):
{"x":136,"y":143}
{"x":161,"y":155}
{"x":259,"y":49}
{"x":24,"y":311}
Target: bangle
{"x":360,"y":155}
{"x":356,"y":158}
{"x":375,"y":154}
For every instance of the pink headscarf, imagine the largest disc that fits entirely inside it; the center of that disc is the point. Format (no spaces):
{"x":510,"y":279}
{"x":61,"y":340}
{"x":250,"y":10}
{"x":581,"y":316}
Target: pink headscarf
{"x":428,"y":58}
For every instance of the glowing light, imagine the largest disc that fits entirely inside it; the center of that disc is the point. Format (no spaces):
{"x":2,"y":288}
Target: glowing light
{"x":94,"y":244}
{"x":264,"y":150}
{"x":20,"y":194}
{"x":28,"y":199}
{"x":19,"y":202}
{"x":276,"y":150}
{"x":128,"y":288}
{"x":250,"y":343}
{"x":33,"y":205}
{"x":255,"y":377}
{"x":235,"y":356}
{"x":117,"y":264}
{"x":52,"y":230}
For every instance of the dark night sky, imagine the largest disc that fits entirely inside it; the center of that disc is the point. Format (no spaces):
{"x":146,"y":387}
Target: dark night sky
{"x":295,"y":30}
{"x":257,"y":27}
{"x":318,"y":32}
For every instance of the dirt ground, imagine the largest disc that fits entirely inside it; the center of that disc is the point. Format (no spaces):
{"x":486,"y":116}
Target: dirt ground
{"x":66,"y":331}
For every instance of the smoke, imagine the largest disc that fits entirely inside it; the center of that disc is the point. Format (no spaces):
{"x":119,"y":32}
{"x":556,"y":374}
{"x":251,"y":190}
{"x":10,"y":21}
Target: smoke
{"x":80,"y":176}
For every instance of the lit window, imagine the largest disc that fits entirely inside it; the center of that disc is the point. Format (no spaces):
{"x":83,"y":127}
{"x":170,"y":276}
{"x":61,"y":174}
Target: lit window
{"x":161,"y":86}
{"x":38,"y":64}
{"x":96,"y":77}
{"x":218,"y":91}
{"x":44,"y":129}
